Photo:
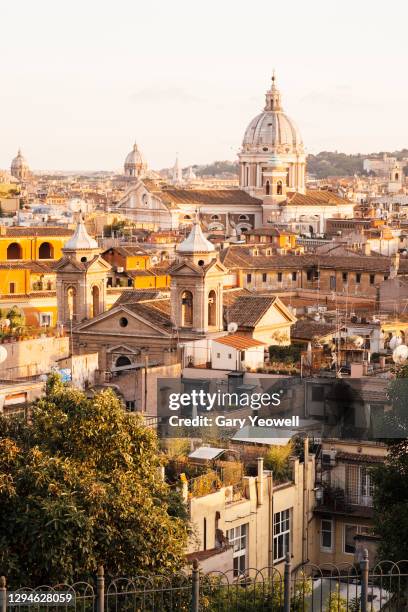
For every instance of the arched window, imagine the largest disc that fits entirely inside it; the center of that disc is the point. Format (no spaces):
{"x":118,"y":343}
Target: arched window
{"x":243,"y":217}
{"x":122,"y":360}
{"x":396,"y":176}
{"x":186,"y":309}
{"x":212,"y":308}
{"x":267,"y":188}
{"x":46,"y":251}
{"x":14,"y":251}
{"x":215,"y":217}
{"x":71,"y":295}
{"x":95,"y":301}
{"x":279,"y":188}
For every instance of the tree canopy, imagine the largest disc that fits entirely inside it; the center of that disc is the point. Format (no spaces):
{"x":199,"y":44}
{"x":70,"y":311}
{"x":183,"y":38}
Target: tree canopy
{"x":80,"y":486}
{"x":391,"y":479}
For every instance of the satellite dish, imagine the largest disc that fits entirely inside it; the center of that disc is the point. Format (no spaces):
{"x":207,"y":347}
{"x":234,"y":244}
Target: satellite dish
{"x":3,"y":354}
{"x":232,"y":327}
{"x":400,"y":354}
{"x":395,"y":341}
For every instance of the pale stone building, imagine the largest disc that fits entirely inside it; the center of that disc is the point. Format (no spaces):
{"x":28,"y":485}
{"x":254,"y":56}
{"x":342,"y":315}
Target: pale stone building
{"x":20,"y":168}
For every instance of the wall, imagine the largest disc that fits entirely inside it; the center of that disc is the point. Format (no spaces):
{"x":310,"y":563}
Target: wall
{"x":31,"y":357}
{"x":83,"y":369}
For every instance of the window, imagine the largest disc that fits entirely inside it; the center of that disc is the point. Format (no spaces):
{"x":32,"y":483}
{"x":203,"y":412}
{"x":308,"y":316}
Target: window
{"x":326,"y":535}
{"x":130,"y":405}
{"x":345,"y":277}
{"x":218,"y":355}
{"x":123,"y":322}
{"x":359,"y":485}
{"x":122,"y":360}
{"x":385,"y":276}
{"x":229,"y":355}
{"x":350,"y":531}
{"x":281,"y":534}
{"x":372,"y":279}
{"x":12,"y":288}
{"x":46,"y":251}
{"x":279,"y":277}
{"x":238,"y":538}
{"x":249,"y":278}
{"x":332,"y":283}
{"x":358,"y":278}
{"x":294,"y":276}
{"x":45,"y":319}
{"x":14,"y":251}
{"x":264,"y":277}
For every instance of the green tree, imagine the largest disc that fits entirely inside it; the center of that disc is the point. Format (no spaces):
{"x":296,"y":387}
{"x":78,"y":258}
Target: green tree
{"x":79,"y":487}
{"x":16,"y":318}
{"x":391,"y":478}
{"x":277,"y":460}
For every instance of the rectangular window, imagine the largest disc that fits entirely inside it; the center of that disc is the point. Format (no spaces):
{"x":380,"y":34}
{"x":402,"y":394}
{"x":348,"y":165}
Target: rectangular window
{"x":326,"y":535}
{"x":12,"y":288}
{"x":218,"y":355}
{"x":372,"y":279}
{"x":130,"y":405}
{"x":264,"y":277}
{"x":45,"y":319}
{"x":238,"y":538}
{"x":279,"y":277}
{"x":345,"y":277}
{"x":358,"y":278}
{"x":332,"y":283}
{"x":294,"y":276}
{"x":359,"y":485}
{"x":249,"y":278}
{"x":349,"y":533}
{"x":309,"y":275}
{"x":281,"y":534}
{"x":229,"y":355}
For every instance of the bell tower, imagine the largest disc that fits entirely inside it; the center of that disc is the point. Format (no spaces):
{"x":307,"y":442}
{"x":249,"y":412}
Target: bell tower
{"x":196,"y":287}
{"x":81,"y":279}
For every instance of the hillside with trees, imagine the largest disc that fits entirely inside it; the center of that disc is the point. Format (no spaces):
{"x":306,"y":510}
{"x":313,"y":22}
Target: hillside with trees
{"x":321,"y":165}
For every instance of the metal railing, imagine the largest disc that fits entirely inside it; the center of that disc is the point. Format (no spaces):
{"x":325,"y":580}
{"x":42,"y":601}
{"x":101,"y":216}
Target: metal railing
{"x":307,"y":588}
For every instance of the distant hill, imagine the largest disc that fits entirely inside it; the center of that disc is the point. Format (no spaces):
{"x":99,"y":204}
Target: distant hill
{"x":322,"y":165}
{"x":327,"y":163}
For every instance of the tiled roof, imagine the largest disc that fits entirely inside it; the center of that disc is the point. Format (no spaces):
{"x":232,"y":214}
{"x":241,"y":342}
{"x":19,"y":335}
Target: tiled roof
{"x":241,"y":257}
{"x":359,"y":457}
{"x":204,"y":196}
{"x":16,"y":232}
{"x":155,"y":311}
{"x":239,"y":342}
{"x":307,"y":330}
{"x":134,"y":296}
{"x":316,"y":198}
{"x":34,"y":266}
{"x":248,"y":310}
{"x":128,"y":251}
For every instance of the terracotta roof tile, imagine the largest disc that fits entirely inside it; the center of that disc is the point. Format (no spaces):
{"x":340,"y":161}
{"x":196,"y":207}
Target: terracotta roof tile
{"x":239,"y":342}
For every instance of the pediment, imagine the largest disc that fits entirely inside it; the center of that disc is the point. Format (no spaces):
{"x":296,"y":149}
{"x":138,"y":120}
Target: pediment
{"x":111,"y":322}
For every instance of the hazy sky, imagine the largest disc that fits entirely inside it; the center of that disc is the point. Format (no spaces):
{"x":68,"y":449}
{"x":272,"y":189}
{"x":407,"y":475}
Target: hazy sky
{"x":81,"y":80}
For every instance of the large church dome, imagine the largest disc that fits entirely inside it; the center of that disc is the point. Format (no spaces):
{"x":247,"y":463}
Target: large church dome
{"x":19,"y":167}
{"x":135,"y":164}
{"x":273,"y":130}
{"x":272,"y":133}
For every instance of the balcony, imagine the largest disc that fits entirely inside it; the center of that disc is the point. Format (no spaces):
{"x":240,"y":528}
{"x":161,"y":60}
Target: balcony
{"x":336,"y":500}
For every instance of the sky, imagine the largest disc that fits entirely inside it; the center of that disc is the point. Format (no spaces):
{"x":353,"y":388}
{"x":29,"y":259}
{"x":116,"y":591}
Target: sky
{"x":82,"y":80}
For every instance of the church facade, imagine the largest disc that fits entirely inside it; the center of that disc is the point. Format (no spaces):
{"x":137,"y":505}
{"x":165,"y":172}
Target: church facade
{"x":272,"y":185}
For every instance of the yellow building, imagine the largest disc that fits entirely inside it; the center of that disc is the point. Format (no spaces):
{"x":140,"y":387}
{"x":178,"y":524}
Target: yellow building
{"x":27,"y":277}
{"x":32,"y":243}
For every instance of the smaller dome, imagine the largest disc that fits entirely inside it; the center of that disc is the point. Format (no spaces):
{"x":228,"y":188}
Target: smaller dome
{"x":135,"y":157}
{"x":80,"y":240}
{"x":195,"y":242}
{"x":19,"y":164}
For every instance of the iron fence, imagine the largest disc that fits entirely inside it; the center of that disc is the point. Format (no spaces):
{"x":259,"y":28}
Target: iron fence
{"x":307,"y":588}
